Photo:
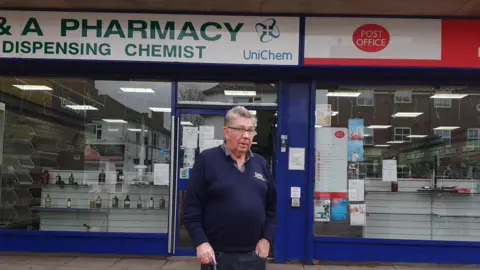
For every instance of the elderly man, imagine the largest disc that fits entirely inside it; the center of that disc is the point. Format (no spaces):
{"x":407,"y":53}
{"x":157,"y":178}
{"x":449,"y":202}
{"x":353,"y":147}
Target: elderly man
{"x":231,"y":201}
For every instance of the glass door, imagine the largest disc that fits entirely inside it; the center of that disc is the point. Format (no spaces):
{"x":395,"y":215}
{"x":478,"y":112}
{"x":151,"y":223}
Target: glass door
{"x":197,"y":130}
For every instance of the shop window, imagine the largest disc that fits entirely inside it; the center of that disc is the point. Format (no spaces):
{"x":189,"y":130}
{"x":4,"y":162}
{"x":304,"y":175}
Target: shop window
{"x":446,"y":136}
{"x":473,"y":137}
{"x":442,"y":103}
{"x":364,"y":181}
{"x":368,"y":136}
{"x":403,"y":96}
{"x":366,"y":98}
{"x":401,"y":134}
{"x":227,"y":93}
{"x":78,"y":149}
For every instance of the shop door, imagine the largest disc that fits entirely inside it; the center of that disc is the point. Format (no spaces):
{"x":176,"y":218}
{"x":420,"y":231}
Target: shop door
{"x":198,"y":130}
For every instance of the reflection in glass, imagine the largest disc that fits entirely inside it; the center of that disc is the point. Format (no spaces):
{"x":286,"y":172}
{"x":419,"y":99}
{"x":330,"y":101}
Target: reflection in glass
{"x":238,"y":93}
{"x":430,"y":133}
{"x":85,"y":155}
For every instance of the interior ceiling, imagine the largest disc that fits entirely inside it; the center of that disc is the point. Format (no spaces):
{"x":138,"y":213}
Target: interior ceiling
{"x":359,"y":7}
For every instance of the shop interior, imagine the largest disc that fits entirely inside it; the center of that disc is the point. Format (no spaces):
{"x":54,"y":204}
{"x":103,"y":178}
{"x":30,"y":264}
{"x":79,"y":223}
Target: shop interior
{"x":432,"y":136}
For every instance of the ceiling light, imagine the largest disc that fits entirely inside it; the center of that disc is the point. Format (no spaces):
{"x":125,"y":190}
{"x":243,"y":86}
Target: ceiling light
{"x":395,"y":142}
{"x":157,"y":109}
{"x":333,"y":113}
{"x":33,"y":87}
{"x":186,"y":123}
{"x":417,"y":136}
{"x":253,"y":112}
{"x":445,"y":128}
{"x":136,"y":90}
{"x":239,"y":93}
{"x":136,"y":129}
{"x":343,"y":94}
{"x":449,"y":96}
{"x":379,"y":126}
{"x":120,"y":121}
{"x":318,"y":126}
{"x":113,"y":129}
{"x":407,"y":114}
{"x":381,"y":145}
{"x":82,"y":107}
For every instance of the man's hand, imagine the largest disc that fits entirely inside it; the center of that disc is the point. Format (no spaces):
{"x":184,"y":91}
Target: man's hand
{"x":263,"y":248}
{"x":205,"y":254}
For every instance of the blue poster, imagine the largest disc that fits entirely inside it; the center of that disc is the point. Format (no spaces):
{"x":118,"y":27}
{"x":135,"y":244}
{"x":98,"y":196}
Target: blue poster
{"x":339,"y":209}
{"x":356,"y":134}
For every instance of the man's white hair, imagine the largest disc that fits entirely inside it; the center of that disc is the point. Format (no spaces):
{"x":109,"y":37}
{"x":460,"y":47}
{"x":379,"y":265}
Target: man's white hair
{"x":239,"y":111}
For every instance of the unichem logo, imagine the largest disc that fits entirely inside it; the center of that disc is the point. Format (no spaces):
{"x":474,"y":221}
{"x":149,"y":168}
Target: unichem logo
{"x":267,"y":30}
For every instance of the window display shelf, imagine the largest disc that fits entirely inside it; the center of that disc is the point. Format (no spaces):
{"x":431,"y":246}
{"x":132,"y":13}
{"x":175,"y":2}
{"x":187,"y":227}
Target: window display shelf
{"x":58,"y":209}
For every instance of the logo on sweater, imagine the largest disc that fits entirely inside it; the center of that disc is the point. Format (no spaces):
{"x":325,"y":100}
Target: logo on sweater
{"x":259,"y":176}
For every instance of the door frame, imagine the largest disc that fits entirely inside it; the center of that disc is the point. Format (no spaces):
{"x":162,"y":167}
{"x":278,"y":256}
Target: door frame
{"x":180,"y":184}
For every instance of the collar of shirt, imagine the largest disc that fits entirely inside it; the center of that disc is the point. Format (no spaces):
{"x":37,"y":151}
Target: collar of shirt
{"x":227,"y":153}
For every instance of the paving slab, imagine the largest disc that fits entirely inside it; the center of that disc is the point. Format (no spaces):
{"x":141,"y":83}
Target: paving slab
{"x":93,"y":262}
{"x":47,"y":260}
{"x":181,"y":265}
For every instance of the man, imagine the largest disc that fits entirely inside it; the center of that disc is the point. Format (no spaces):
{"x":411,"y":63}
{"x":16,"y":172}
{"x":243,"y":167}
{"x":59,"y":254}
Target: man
{"x":230,"y":207}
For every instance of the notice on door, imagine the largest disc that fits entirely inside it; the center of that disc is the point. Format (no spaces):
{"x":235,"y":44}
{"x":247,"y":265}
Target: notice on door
{"x":296,"y":158}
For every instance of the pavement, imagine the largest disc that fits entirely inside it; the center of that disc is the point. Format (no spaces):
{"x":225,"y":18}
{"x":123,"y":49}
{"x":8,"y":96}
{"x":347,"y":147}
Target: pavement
{"x":52,"y":262}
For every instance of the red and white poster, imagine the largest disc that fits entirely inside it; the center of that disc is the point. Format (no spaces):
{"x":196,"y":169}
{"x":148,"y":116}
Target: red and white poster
{"x":392,"y":42}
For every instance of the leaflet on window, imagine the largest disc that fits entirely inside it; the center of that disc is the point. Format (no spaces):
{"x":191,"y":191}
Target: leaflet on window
{"x":358,"y":215}
{"x":356,"y":190}
{"x":389,"y":170}
{"x":190,"y":137}
{"x":161,"y":174}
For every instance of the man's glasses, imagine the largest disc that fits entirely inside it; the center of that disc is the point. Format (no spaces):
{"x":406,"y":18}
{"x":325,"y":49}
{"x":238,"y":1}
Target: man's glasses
{"x":242,"y":131}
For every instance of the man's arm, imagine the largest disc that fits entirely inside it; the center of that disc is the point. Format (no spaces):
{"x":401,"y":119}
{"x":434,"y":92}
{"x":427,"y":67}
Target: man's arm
{"x":194,"y":202}
{"x":270,"y":207}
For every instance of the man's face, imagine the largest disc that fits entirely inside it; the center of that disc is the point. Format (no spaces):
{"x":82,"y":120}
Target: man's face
{"x":239,"y":134}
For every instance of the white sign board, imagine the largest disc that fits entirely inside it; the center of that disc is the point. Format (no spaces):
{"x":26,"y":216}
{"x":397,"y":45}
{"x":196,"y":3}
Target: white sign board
{"x":361,"y":41}
{"x":150,"y":37}
{"x":331,"y":159}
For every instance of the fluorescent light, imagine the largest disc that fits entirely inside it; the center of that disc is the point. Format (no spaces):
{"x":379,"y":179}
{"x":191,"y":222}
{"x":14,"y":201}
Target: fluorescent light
{"x":379,"y":126}
{"x":253,"y":112}
{"x":318,"y":126}
{"x":449,"y":96}
{"x":417,"y":136}
{"x":445,"y":128}
{"x":157,"y":109}
{"x":395,"y":142}
{"x":186,"y":123}
{"x":381,"y":145}
{"x":343,"y":94}
{"x":136,"y":90}
{"x":32,"y":87}
{"x":333,"y":113}
{"x":113,"y":129}
{"x":136,"y":129}
{"x":240,"y":93}
{"x":120,"y":121}
{"x":407,"y":114}
{"x":82,"y":107}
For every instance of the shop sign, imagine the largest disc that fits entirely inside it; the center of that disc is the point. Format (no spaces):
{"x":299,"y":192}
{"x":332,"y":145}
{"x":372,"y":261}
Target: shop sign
{"x":373,"y":41}
{"x":150,"y":37}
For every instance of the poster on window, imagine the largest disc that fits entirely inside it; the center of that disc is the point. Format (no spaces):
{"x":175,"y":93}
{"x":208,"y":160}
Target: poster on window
{"x":322,"y":210}
{"x":355,"y":139}
{"x":358,"y":215}
{"x":323,"y":113}
{"x":339,"y":209}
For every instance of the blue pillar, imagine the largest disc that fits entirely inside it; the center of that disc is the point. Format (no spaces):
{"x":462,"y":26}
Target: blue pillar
{"x":294,"y":231}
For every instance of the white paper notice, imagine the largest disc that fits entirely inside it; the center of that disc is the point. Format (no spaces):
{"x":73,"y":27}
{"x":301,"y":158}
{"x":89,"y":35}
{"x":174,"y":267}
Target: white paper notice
{"x":296,"y":158}
{"x":188,"y":157}
{"x":207,"y":132}
{"x":190,"y":137}
{"x":358,"y":215}
{"x":161,"y":174}
{"x":331,"y":159}
{"x":389,"y":170}
{"x":356,"y":190}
